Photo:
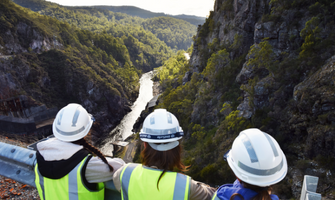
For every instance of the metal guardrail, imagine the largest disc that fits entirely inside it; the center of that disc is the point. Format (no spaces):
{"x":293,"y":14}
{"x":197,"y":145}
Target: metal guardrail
{"x":308,"y":191}
{"x":18,"y":163}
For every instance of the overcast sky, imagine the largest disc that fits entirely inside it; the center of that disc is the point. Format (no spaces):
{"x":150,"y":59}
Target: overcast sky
{"x":173,"y":7}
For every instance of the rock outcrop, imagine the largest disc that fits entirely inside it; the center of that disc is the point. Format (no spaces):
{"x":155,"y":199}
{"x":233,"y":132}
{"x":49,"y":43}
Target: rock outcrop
{"x":314,"y":108}
{"x":295,"y":100}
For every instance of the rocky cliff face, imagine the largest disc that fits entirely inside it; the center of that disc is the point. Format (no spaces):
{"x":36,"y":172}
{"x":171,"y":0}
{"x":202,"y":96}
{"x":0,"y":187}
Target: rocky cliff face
{"x":18,"y":42}
{"x":313,"y":111}
{"x":295,"y":92}
{"x":37,"y":65}
{"x":308,"y":121}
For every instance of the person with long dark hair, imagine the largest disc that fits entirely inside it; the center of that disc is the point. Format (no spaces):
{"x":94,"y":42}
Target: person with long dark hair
{"x":156,"y":177}
{"x":258,"y":163}
{"x":68,"y":167}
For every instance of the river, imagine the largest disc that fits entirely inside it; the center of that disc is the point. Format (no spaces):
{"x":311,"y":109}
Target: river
{"x":124,"y":129}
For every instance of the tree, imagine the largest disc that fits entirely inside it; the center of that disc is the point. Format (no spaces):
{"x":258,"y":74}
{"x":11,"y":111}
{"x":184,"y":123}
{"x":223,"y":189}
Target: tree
{"x":216,"y":61}
{"x":262,"y":56}
{"x":311,"y":34}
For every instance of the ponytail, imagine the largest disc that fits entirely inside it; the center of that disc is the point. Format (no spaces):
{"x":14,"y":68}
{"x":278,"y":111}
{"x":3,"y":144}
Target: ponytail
{"x":234,"y":196}
{"x":94,"y":151}
{"x":262,"y":195}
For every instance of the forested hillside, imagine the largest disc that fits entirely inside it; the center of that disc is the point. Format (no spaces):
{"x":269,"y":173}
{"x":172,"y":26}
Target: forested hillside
{"x":176,"y":35}
{"x":265,"y":64}
{"x":55,"y":63}
{"x":162,"y":27}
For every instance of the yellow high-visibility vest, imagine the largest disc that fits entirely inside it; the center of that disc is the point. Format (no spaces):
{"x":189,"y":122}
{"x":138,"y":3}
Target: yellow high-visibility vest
{"x":139,"y":182}
{"x":69,"y":187}
{"x":215,"y":197}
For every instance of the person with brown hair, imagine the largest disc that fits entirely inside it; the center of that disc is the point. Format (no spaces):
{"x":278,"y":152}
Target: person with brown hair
{"x":258,"y":163}
{"x":156,"y":178}
{"x":66,"y":167}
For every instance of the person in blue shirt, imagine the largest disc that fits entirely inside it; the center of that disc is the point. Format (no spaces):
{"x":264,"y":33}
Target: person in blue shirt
{"x":258,"y":163}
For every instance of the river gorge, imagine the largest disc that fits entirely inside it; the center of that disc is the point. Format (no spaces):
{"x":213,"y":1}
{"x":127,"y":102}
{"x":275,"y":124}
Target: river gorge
{"x":121,"y":132}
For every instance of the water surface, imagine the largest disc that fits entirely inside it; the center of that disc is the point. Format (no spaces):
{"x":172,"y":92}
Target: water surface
{"x":124,"y":129}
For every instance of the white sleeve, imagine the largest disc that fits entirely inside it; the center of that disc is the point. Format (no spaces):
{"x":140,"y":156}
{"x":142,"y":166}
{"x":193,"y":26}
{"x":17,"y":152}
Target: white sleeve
{"x":116,"y":179}
{"x":97,"y":171}
{"x":201,"y":191}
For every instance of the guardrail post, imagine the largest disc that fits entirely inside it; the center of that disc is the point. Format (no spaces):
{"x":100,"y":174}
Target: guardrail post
{"x":308,"y":191}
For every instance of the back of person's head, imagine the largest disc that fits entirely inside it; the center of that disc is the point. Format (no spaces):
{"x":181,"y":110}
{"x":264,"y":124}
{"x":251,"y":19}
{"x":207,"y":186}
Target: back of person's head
{"x":257,"y":161}
{"x":167,"y":160}
{"x":161,"y":131}
{"x":72,"y":124}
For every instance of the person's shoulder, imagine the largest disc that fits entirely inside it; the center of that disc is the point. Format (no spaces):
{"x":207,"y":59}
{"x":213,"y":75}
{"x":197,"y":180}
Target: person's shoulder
{"x":127,"y":165}
{"x":223,"y":189}
{"x":118,"y":160}
{"x":224,"y":192}
{"x":118,"y":174}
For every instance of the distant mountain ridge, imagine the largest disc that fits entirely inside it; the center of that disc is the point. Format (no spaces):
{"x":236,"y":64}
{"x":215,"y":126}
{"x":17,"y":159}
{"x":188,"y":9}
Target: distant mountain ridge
{"x":36,"y":5}
{"x":139,"y":12}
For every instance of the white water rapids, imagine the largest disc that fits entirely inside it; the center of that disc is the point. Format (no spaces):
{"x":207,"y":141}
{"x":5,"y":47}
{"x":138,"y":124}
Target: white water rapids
{"x":124,"y":129}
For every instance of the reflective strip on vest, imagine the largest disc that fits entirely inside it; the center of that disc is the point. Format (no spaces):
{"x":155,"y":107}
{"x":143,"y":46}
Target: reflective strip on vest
{"x":140,"y":182}
{"x":69,"y":187}
{"x":39,"y":183}
{"x":215,"y":197}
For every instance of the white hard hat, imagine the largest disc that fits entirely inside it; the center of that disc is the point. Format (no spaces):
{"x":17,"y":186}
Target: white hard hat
{"x":256,"y":158}
{"x":159,"y":127}
{"x":72,"y":123}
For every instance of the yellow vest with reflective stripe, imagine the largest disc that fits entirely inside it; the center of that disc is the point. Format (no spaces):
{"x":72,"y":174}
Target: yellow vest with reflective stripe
{"x":215,"y":196}
{"x":139,"y":182}
{"x":69,"y":187}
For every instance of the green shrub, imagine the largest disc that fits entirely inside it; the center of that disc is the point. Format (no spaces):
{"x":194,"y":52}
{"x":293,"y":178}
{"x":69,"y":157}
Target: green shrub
{"x":323,"y":118}
{"x":198,"y":132}
{"x":263,"y":56}
{"x":209,"y":172}
{"x":271,"y":18}
{"x":233,"y":123}
{"x":302,"y":164}
{"x":311,"y":35}
{"x":316,"y":8}
{"x":228,"y":5}
{"x":326,"y":161}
